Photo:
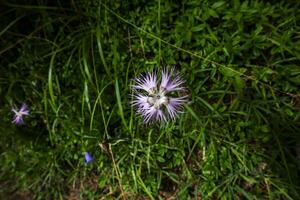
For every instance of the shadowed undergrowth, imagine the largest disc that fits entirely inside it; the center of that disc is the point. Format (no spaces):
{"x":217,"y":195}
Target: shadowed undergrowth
{"x":73,"y":63}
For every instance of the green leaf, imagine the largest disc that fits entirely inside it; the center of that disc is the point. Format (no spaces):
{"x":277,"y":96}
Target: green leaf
{"x":239,"y":84}
{"x":213,"y":13}
{"x":218,"y":4}
{"x":198,"y":28}
{"x":228,"y":72}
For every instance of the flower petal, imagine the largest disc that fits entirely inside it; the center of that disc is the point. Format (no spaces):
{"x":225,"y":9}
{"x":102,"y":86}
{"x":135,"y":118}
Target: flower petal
{"x":18,"y":120}
{"x":174,"y":106}
{"x":140,"y":102}
{"x":24,"y":110}
{"x":147,"y":82}
{"x":168,"y":84}
{"x":18,"y":117}
{"x":88,"y":157}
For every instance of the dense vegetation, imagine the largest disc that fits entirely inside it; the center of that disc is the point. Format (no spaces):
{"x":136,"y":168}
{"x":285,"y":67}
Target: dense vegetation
{"x":72,"y":63}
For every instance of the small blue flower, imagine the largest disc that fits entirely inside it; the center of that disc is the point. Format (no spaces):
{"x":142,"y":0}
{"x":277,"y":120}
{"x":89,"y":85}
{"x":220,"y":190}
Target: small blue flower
{"x":88,"y":157}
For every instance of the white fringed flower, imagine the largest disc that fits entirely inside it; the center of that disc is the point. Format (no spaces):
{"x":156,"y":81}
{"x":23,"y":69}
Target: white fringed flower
{"x":159,"y":102}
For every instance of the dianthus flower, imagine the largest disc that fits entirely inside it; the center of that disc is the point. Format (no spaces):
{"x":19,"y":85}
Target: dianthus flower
{"x":18,"y":118}
{"x":158,"y":99}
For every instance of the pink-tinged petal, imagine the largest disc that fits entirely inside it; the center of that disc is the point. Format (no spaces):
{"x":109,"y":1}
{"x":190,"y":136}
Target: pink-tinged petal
{"x":160,"y":116}
{"x":154,"y":114}
{"x":18,"y":120}
{"x":24,"y":110}
{"x":168,"y":84}
{"x":14,"y":110}
{"x":178,"y":101}
{"x":18,"y":117}
{"x":174,"y":106}
{"x":146,"y":82}
{"x":173,"y":113}
{"x":149,"y":114}
{"x":140,"y":102}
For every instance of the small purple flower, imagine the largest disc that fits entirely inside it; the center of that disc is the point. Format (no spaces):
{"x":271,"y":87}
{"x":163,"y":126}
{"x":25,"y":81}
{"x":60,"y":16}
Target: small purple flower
{"x":159,"y":102}
{"x":18,"y":118}
{"x":88,"y":157}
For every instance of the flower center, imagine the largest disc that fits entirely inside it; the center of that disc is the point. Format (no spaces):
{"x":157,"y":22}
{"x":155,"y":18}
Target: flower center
{"x":19,"y":114}
{"x":157,"y":100}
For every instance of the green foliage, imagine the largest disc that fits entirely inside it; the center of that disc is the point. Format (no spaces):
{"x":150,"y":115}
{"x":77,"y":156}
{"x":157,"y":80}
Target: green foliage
{"x":72,"y":62}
